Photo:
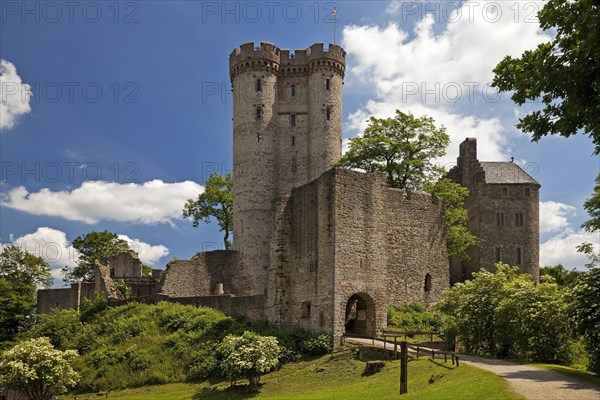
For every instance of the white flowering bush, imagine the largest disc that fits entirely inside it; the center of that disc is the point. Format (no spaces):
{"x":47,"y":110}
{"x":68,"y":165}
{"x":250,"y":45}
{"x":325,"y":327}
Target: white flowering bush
{"x":248,"y":356}
{"x":37,"y":369}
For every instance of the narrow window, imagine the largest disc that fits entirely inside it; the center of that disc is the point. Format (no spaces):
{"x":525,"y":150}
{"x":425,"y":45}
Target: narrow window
{"x":112,"y":272}
{"x":498,"y":254}
{"x":518,"y":256}
{"x":427,"y":283}
{"x":305,"y":310}
{"x":519,"y":219}
{"x":504,"y":192}
{"x":328,"y":113}
{"x":527,"y":192}
{"x":293,"y":119}
{"x":328,"y":84}
{"x":499,"y":219}
{"x":293,"y":90}
{"x":258,"y":85}
{"x":293,"y":140}
{"x":258,"y":137}
{"x":258,"y":113}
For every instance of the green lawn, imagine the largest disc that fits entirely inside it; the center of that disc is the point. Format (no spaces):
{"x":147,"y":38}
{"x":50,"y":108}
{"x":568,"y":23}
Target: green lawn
{"x":341,"y":378}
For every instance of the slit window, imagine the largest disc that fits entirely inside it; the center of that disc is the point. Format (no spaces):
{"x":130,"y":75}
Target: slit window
{"x":427,"y":283}
{"x":293,"y":120}
{"x":258,"y":85}
{"x":293,"y":90}
{"x":519,"y":219}
{"x":504,"y":192}
{"x":258,"y":113}
{"x":328,"y":113}
{"x":518,"y":256}
{"x":498,"y":254}
{"x":500,"y":219}
{"x":328,"y":84}
{"x":293,"y":140}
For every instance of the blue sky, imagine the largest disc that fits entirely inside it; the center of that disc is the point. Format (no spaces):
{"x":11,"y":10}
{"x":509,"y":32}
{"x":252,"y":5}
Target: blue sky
{"x":113,"y":113}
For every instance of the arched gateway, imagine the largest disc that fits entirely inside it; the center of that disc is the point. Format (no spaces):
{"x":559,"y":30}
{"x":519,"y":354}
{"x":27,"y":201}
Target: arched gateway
{"x":360,"y":315}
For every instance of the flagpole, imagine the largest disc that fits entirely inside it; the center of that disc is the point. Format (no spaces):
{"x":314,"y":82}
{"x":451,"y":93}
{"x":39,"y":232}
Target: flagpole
{"x":334,"y":12}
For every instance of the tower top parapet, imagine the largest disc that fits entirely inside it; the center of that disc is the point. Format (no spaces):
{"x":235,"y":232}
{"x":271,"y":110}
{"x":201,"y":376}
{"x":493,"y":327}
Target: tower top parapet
{"x":268,"y":56}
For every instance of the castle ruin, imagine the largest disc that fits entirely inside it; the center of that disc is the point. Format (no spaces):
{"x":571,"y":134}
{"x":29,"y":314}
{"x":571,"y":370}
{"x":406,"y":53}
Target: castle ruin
{"x":314,"y":247}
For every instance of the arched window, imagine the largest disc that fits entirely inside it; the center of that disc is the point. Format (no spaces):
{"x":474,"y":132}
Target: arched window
{"x":427,"y":283}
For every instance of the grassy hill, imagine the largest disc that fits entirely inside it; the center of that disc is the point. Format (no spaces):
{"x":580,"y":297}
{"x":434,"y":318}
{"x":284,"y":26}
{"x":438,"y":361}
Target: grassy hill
{"x":341,"y":378}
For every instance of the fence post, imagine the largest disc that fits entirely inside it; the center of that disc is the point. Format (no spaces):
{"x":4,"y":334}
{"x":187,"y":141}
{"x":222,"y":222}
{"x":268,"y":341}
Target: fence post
{"x":395,"y":345}
{"x":457,"y":361}
{"x":403,"y":368}
{"x":445,"y":357}
{"x":384,"y":342}
{"x":433,"y":354}
{"x":417,"y":351}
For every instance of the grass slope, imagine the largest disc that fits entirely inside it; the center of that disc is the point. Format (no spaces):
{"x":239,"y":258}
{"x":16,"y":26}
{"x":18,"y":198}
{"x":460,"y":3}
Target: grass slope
{"x":341,"y":378}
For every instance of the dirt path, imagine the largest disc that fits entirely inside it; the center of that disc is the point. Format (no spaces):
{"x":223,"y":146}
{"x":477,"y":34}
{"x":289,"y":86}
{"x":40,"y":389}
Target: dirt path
{"x":527,"y":381}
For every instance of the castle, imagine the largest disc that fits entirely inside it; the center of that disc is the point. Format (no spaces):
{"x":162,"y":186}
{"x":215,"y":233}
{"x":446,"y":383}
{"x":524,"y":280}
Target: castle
{"x":320,"y":248}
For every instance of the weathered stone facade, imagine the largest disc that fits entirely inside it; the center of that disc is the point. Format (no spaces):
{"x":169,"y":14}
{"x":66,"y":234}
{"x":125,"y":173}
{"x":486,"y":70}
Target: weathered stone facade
{"x":503,"y":207}
{"x":320,"y":248}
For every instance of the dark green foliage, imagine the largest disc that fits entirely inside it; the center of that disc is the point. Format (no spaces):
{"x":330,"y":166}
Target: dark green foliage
{"x":506,"y":314}
{"x":20,"y":273}
{"x":317,"y":345}
{"x":413,"y":317}
{"x":137,"y":344}
{"x":564,"y":73}
{"x":584,"y":313}
{"x":592,"y":206}
{"x":216,"y":201}
{"x":561,"y":276}
{"x":91,"y":247}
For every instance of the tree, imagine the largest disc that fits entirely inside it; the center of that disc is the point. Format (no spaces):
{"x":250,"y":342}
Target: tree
{"x":404,"y":147}
{"x":584,"y":311}
{"x":20,"y":274}
{"x":249,"y":355}
{"x":91,"y":247}
{"x":507,"y":314}
{"x":37,"y":369}
{"x":561,"y":276}
{"x":563,"y":73}
{"x":458,"y":237}
{"x":216,"y":201}
{"x":592,"y":206}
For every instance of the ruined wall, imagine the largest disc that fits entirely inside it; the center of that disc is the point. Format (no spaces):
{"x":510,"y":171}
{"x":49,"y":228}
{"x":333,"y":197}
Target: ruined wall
{"x":249,"y":306}
{"x":347,"y":235}
{"x":64,"y":298}
{"x":200,"y":275}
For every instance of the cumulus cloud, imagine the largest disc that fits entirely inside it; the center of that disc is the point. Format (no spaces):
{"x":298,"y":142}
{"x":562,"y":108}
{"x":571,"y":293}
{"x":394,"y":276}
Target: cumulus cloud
{"x":553,"y":216}
{"x":149,"y":254}
{"x":15,"y":95}
{"x":561,"y":249}
{"x":445,"y":75}
{"x":148,"y":203}
{"x":52,"y":245}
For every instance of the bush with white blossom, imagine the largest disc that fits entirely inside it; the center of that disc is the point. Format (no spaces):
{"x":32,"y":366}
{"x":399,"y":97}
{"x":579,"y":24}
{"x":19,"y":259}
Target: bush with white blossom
{"x":37,"y":369}
{"x":248,"y":356}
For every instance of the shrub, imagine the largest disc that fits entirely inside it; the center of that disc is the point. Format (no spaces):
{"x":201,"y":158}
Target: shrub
{"x":317,"y":345}
{"x":249,"y":355}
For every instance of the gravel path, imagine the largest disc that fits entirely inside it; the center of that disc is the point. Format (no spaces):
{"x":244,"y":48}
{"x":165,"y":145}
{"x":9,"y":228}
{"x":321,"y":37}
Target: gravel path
{"x":530,"y":382}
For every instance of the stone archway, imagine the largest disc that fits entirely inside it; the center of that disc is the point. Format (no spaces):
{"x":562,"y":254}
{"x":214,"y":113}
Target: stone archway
{"x":360,"y":315}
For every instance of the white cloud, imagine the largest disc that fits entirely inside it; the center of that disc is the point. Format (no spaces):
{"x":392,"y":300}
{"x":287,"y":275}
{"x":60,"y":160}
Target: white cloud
{"x":151,"y":202}
{"x":439,"y":74}
{"x":553,"y":216}
{"x":14,"y":95}
{"x":560,"y":249}
{"x":52,"y":245}
{"x":149,"y":254}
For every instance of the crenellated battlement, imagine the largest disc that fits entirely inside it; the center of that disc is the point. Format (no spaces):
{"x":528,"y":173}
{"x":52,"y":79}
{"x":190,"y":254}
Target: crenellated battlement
{"x":268,"y":57}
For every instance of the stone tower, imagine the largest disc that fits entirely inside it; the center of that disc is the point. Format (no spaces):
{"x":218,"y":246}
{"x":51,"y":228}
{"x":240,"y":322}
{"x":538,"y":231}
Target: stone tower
{"x":503,"y":206}
{"x":287,"y":131}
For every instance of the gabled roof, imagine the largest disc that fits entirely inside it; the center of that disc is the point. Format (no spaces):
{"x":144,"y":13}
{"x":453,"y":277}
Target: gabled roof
{"x":502,"y":172}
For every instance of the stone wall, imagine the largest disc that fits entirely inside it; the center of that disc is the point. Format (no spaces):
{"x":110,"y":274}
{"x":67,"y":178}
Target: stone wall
{"x":249,"y":306}
{"x":348,"y":236}
{"x":200,"y":275}
{"x":64,"y":298}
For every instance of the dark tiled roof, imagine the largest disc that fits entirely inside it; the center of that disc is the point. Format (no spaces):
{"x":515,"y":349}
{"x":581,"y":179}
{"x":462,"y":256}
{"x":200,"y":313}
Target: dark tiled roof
{"x":505,"y":172}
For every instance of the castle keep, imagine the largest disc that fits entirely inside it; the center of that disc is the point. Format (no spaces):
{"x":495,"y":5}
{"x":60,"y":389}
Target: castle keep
{"x":315,"y":247}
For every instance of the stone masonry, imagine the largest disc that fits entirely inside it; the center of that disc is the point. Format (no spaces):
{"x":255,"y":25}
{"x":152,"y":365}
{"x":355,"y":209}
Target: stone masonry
{"x":320,"y":248}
